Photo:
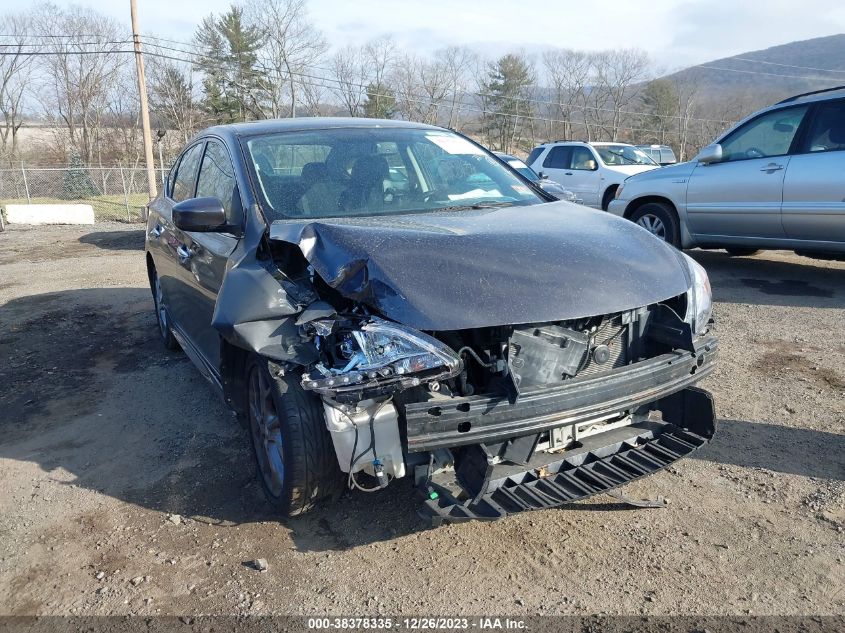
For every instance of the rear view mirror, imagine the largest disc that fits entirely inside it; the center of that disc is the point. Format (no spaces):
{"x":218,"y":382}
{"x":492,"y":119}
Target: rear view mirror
{"x":201,"y":215}
{"x":710,"y":154}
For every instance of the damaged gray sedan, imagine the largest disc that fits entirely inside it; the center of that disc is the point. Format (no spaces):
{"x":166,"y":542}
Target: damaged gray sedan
{"x":380,"y":300}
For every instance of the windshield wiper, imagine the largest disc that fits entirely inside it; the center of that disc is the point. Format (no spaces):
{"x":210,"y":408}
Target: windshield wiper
{"x":489,"y":204}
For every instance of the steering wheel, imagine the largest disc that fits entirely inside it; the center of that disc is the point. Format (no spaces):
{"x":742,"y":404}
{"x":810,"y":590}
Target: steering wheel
{"x":754,"y":152}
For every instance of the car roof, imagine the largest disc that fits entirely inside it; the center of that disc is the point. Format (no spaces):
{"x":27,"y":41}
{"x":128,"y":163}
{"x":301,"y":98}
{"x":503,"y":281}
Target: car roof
{"x":507,"y":156}
{"x":303,"y":124}
{"x":593,"y":143}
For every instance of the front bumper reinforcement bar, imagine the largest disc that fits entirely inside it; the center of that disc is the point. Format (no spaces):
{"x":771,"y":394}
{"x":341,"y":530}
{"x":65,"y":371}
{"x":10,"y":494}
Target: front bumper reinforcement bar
{"x":603,"y":462}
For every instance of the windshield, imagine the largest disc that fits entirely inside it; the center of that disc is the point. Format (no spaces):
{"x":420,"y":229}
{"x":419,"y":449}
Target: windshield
{"x":623,"y":155}
{"x":355,"y":172}
{"x":524,"y":169}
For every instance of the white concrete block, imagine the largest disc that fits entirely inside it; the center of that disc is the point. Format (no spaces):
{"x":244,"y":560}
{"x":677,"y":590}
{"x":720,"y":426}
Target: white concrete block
{"x":49,"y":213}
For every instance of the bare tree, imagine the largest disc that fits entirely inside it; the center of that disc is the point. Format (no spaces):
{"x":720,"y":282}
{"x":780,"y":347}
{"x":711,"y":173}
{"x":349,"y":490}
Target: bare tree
{"x":406,"y":82}
{"x":173,"y":97}
{"x":458,"y":62}
{"x":14,"y":67}
{"x":568,"y":74}
{"x":380,"y":55}
{"x":617,"y":73}
{"x":292,"y":45}
{"x":79,"y":74}
{"x":350,"y":74}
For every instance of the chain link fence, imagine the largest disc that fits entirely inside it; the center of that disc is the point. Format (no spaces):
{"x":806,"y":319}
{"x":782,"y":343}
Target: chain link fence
{"x":115,"y":193}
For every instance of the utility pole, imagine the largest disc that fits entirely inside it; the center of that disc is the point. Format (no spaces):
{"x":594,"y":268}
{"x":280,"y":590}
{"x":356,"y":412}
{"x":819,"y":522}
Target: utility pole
{"x":145,"y":109}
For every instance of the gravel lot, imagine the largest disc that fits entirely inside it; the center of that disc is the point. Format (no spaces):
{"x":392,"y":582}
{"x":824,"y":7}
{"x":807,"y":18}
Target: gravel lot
{"x":125,"y":487}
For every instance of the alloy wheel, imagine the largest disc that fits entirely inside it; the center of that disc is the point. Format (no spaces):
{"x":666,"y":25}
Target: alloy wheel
{"x":653,"y":225}
{"x":161,"y":311}
{"x":266,"y":430}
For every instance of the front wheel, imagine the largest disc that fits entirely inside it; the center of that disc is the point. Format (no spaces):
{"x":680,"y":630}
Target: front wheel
{"x":163,"y":316}
{"x":660,"y":220}
{"x":294,"y":454}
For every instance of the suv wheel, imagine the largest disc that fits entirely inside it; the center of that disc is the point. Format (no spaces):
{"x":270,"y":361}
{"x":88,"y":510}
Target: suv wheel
{"x":162,"y":316}
{"x":294,"y":454}
{"x":660,"y":220}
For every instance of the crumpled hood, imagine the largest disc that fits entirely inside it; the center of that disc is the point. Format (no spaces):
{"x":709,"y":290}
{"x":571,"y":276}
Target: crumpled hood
{"x":468,"y":269}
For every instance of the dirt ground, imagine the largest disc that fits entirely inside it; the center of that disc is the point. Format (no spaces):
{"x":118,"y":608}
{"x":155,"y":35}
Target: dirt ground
{"x":125,"y":487}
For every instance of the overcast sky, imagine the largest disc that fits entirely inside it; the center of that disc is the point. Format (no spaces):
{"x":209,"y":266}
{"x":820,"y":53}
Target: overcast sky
{"x":677,"y":33}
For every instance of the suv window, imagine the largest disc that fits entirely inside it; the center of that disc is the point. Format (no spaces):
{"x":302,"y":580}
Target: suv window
{"x":583,"y":159}
{"x":558,"y":157}
{"x":217,"y":179}
{"x":534,"y":155}
{"x":768,"y":135}
{"x":186,"y":174}
{"x":827,"y":131}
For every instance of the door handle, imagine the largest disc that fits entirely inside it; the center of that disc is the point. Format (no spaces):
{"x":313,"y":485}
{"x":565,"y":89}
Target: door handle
{"x":184,"y":254}
{"x":569,"y":173}
{"x":156,"y":231}
{"x":771,"y":167}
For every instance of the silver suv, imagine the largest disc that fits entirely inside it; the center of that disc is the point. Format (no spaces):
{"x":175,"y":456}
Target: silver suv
{"x":776,"y":180}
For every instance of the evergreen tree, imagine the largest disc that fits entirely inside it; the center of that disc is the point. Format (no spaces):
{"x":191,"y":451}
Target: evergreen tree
{"x":660,"y":101}
{"x":77,"y":183}
{"x":508,"y":90}
{"x":229,"y":66}
{"x":380,"y":103}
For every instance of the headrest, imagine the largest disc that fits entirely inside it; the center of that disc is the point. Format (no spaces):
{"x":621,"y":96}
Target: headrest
{"x":370,"y":169}
{"x":312,"y":172}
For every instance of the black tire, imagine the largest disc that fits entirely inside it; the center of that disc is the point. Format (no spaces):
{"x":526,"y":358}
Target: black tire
{"x":608,"y":197}
{"x":162,"y":316}
{"x":660,"y":220}
{"x":741,"y":251}
{"x":294,"y":455}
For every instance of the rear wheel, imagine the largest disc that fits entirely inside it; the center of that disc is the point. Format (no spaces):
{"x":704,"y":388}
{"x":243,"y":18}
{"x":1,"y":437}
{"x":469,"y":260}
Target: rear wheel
{"x":740,"y":251}
{"x":660,"y":220}
{"x":162,"y":316}
{"x":294,"y":454}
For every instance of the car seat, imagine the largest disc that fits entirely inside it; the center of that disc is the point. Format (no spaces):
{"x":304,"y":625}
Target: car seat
{"x":366,"y":186}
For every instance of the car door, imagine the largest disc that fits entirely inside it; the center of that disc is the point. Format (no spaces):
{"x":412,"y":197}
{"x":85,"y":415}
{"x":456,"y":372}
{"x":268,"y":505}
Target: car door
{"x":814,"y":185}
{"x":202,"y":256}
{"x":741,"y":195}
{"x":555,"y":163}
{"x":585,"y":177}
{"x":575,"y":168}
{"x":165,"y":238}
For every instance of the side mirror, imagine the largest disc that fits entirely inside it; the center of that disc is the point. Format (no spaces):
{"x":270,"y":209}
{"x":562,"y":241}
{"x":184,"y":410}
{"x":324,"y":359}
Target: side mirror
{"x":542,"y":175}
{"x":710,"y":154}
{"x":202,"y":215}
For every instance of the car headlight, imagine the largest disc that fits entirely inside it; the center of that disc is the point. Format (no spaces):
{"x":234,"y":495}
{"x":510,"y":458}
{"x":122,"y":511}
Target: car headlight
{"x":699,"y":298}
{"x":380,"y":353}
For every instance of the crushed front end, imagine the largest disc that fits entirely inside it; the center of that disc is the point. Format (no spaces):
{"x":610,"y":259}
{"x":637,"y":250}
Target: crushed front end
{"x":495,"y":420}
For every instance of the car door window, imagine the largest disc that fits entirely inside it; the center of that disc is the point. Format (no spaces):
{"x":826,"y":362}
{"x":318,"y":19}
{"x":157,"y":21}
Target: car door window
{"x":827,"y":130}
{"x":217,"y":180}
{"x":534,"y":155}
{"x":558,"y":157}
{"x":186,"y":174}
{"x":768,"y":135}
{"x":583,"y":159}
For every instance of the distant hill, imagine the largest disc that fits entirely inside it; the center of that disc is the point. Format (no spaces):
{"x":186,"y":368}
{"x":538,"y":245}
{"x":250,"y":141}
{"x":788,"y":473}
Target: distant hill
{"x":772,"y":73}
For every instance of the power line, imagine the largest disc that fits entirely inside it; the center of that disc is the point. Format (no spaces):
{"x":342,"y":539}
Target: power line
{"x":761,"y":61}
{"x":760,"y":72}
{"x":573,"y":108}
